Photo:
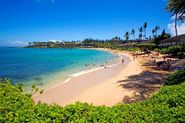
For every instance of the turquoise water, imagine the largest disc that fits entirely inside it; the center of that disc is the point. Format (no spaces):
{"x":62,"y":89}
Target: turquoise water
{"x":48,"y":66}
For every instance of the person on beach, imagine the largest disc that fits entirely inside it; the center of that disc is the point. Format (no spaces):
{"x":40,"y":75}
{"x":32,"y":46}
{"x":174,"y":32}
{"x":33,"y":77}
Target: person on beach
{"x":122,"y":61}
{"x":136,"y":55}
{"x":164,"y":58}
{"x":133,"y":56}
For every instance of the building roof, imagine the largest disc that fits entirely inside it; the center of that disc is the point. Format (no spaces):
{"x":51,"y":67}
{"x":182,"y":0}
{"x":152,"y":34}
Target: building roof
{"x":180,"y":38}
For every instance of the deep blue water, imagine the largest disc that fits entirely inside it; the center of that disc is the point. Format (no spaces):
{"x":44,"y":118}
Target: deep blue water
{"x":42,"y":66}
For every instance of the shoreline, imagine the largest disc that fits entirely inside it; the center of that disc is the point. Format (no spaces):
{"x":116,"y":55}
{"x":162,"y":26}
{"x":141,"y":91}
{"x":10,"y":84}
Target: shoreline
{"x":78,"y":89}
{"x":113,"y":63}
{"x":110,"y":64}
{"x":61,"y":77}
{"x":83,"y":72}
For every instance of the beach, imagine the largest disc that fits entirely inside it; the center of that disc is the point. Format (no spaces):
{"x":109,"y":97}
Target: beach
{"x":99,"y":87}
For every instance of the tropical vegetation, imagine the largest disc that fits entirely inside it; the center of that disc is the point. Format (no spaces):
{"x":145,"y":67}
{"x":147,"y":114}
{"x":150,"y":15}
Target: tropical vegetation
{"x":176,"y":78}
{"x":166,"y":106}
{"x":177,"y":51}
{"x":175,"y":7}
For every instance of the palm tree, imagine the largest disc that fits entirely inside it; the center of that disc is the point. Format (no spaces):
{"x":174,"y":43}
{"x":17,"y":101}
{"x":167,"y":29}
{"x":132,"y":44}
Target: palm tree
{"x":126,"y":36}
{"x":29,"y":43}
{"x":156,"y":29}
{"x":117,"y":38}
{"x":153,"y":33}
{"x":133,"y":33}
{"x":177,"y":8}
{"x":34,"y":43}
{"x":145,"y":26}
{"x":141,"y":32}
{"x":140,"y":36}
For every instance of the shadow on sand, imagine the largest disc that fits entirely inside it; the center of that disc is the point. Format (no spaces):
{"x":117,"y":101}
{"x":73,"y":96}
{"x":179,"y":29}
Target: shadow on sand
{"x":143,"y":84}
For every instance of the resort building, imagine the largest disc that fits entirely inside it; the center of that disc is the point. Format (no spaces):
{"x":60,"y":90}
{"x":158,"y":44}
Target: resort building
{"x":177,"y":40}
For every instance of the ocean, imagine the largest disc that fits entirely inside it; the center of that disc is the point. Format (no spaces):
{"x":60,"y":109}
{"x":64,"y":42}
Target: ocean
{"x":44,"y":67}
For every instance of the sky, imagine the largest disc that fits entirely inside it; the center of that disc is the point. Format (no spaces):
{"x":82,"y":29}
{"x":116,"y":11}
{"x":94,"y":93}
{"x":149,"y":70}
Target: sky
{"x":43,"y":20}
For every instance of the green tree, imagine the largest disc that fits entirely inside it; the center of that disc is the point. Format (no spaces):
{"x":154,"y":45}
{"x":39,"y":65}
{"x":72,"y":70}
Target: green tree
{"x":153,"y":33}
{"x":156,"y":29}
{"x":126,"y":36}
{"x":141,"y":32}
{"x":145,"y":27}
{"x":161,"y":37}
{"x":140,"y":36}
{"x":133,"y":33}
{"x":29,"y":43}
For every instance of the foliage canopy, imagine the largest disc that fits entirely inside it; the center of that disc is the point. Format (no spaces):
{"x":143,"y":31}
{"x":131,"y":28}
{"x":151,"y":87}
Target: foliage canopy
{"x":166,"y":106}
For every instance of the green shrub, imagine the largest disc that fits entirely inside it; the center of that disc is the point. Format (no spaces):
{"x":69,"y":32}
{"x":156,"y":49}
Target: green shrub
{"x":176,"y":78}
{"x":166,"y":106}
{"x":178,"y":51}
{"x":175,"y":50}
{"x":133,"y":49}
{"x":157,"y":49}
{"x":163,"y":50}
{"x":149,"y":46}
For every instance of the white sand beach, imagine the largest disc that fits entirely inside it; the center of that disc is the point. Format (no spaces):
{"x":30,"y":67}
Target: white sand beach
{"x":99,"y":87}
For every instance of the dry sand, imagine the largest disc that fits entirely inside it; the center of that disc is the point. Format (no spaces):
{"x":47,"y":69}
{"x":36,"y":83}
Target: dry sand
{"x":99,"y":87}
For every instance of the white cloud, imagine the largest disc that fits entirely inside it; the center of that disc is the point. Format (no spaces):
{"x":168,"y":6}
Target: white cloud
{"x":18,"y":43}
{"x":55,"y":40}
{"x":180,"y":28}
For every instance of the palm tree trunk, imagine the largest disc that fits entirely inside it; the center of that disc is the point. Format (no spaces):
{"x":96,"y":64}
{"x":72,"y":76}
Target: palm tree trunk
{"x":156,"y":34}
{"x":176,"y":25}
{"x":145,"y":34}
